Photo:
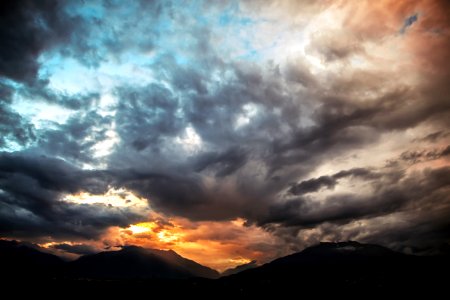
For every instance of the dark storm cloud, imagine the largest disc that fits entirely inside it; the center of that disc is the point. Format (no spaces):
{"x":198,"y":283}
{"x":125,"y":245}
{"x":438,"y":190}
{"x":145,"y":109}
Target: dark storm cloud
{"x":146,"y":115}
{"x":181,"y":194}
{"x":27,"y":29}
{"x":31,"y":188}
{"x":260,"y":127}
{"x":12,"y":126}
{"x":225,"y":163}
{"x":339,"y":122}
{"x":50,"y":173}
{"x":420,"y":237}
{"x":79,"y":249}
{"x":151,"y":114}
{"x":169,"y":190}
{"x":315,"y":184}
{"x":393,"y":192}
{"x":75,"y":139}
{"x":31,"y":28}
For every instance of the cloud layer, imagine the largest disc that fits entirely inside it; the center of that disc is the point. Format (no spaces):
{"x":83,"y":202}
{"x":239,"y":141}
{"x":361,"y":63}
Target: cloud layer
{"x":309,"y":120}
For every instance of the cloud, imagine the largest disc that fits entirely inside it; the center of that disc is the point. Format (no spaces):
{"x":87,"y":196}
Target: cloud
{"x":13,"y":127}
{"x":28,"y":29}
{"x":408,"y":22}
{"x":300,"y":117}
{"x":433,"y":137}
{"x":226,"y":163}
{"x":417,"y":156}
{"x":313,"y":185}
{"x":32,"y":190}
{"x":147,"y":115}
{"x":228,"y":243}
{"x":393,"y":192}
{"x":79,"y":249}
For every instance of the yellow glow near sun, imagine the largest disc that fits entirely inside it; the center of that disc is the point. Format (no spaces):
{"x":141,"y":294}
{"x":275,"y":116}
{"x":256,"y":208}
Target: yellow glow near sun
{"x":114,"y":197}
{"x":161,"y":234}
{"x":168,"y":236}
{"x":239,"y":261}
{"x":197,"y":241}
{"x":145,"y":227}
{"x":50,"y":244}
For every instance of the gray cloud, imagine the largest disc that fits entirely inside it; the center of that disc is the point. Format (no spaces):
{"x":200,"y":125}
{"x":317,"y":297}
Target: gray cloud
{"x":79,"y":249}
{"x":146,"y":115}
{"x":225,"y":163}
{"x":393,"y":192}
{"x":409,"y":22}
{"x":314,"y":185}
{"x":435,"y":136}
{"x":260,"y":127}
{"x":27,"y":29}
{"x":31,"y":189}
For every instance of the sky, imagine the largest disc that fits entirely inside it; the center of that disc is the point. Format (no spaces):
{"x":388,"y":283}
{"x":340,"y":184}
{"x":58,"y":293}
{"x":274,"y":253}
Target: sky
{"x":228,"y":131}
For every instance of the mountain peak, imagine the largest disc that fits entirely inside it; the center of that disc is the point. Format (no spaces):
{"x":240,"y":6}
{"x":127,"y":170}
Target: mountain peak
{"x":139,"y":262}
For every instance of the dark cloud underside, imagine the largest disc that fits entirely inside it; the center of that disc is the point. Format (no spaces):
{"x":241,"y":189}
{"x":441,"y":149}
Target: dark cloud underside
{"x":301,"y":118}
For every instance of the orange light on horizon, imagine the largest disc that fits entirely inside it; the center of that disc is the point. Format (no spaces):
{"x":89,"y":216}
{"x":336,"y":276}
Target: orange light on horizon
{"x":216,"y":244}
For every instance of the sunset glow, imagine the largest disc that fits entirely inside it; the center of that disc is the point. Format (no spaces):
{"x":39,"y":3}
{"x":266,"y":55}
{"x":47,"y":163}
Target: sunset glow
{"x":234,"y":245}
{"x":114,"y":197}
{"x":227,"y":131}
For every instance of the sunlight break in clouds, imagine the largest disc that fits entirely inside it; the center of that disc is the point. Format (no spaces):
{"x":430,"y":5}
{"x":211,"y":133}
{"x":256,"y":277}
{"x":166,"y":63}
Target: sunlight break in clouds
{"x":227,"y":131}
{"x":220,"y":245}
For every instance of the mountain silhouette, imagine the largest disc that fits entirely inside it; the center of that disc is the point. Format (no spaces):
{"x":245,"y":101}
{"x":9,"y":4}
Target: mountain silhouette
{"x":18,"y":260}
{"x":344,"y":266}
{"x":133,"y":262}
{"x":239,"y":268}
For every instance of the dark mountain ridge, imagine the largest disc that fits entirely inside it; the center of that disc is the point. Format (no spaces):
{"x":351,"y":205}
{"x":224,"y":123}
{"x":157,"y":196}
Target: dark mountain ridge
{"x":133,"y":262}
{"x":348,"y":268}
{"x":18,"y":260}
{"x":240,"y":268}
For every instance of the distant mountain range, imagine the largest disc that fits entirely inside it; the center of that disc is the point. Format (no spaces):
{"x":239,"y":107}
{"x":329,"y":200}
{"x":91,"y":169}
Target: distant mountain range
{"x":324,"y":268}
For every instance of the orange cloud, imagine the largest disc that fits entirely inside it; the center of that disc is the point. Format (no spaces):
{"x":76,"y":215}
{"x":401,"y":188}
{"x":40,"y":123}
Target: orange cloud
{"x":219,"y":245}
